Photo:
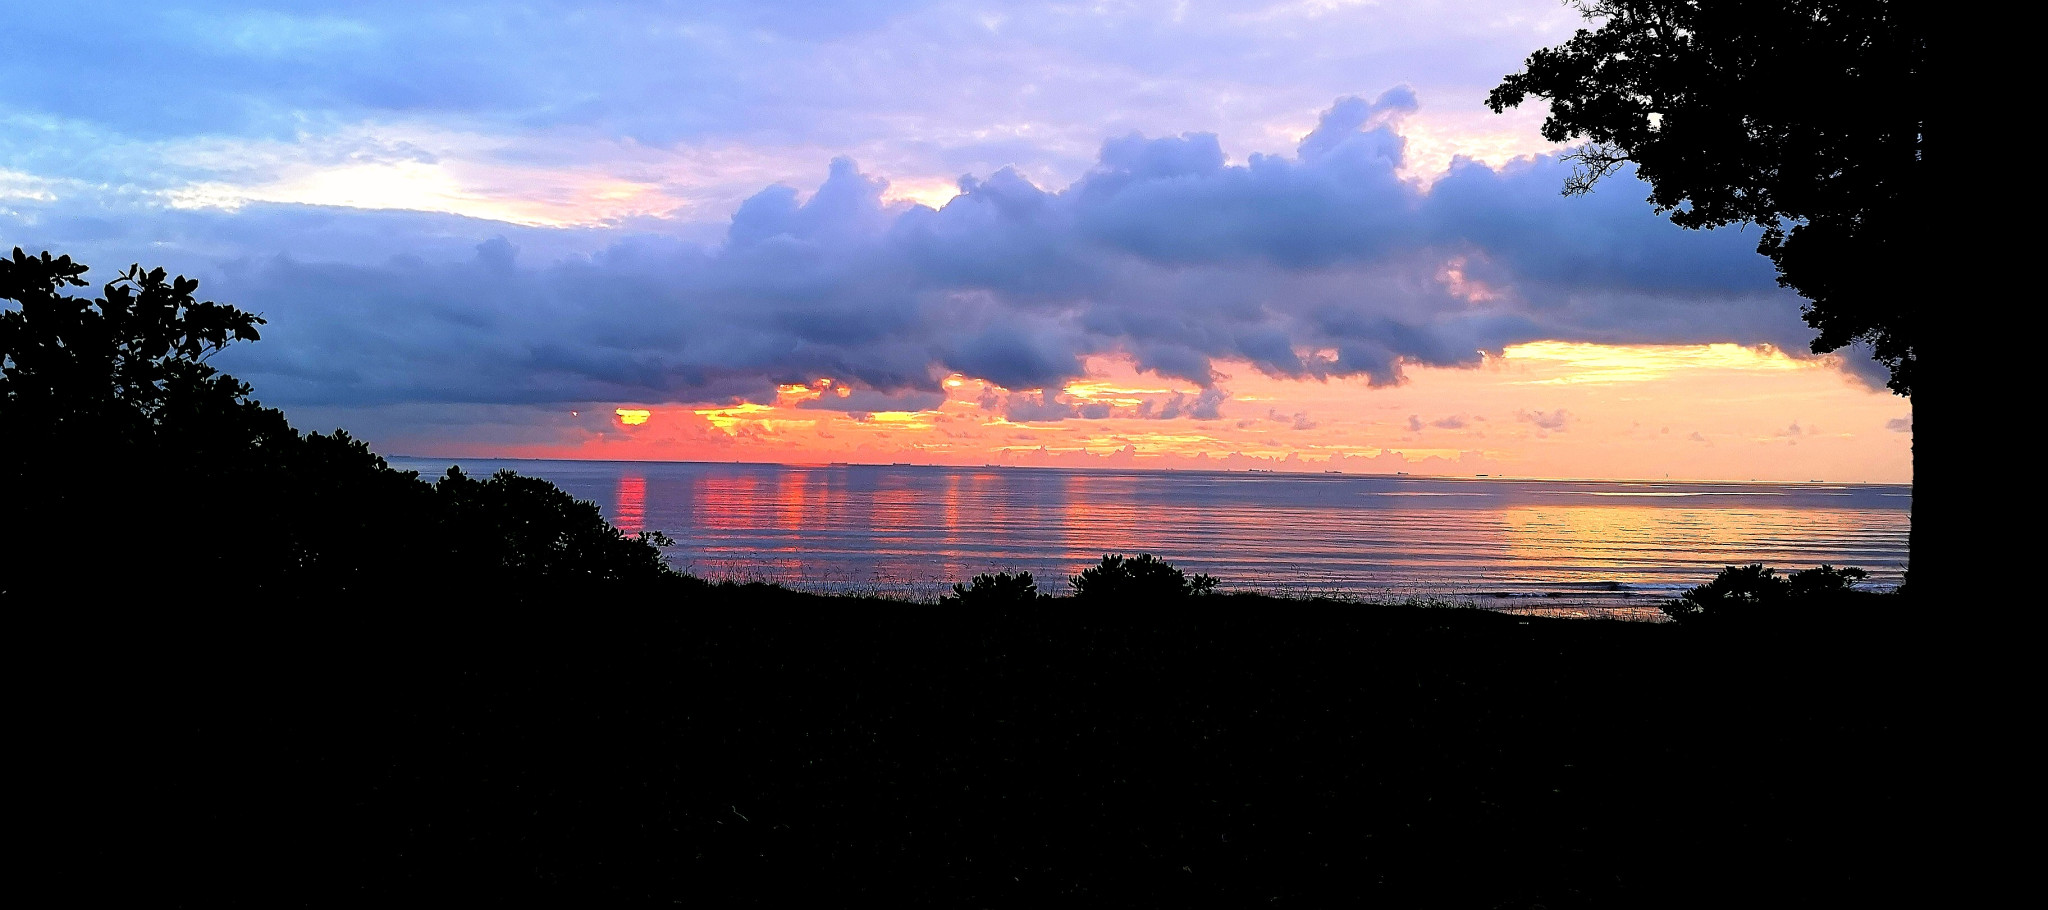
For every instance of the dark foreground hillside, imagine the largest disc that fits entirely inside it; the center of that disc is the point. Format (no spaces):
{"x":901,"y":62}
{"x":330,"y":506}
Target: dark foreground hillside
{"x":750,"y":746}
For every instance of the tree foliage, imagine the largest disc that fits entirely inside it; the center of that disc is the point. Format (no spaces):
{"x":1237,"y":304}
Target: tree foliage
{"x":995,"y":590}
{"x":125,"y":371}
{"x":131,"y":466}
{"x":1802,"y":117}
{"x":525,"y":530}
{"x":1754,"y":591}
{"x":1140,"y":578}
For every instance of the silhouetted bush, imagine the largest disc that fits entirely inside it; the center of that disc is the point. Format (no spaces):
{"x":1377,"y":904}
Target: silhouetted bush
{"x":1825,"y":580}
{"x":1751,"y":591}
{"x":998,"y":589}
{"x":524,"y":528}
{"x":1144,"y":577}
{"x":132,"y":466}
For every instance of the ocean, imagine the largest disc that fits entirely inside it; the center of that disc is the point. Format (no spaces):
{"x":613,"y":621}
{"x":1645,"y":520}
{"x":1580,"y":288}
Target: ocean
{"x":1602,"y":548}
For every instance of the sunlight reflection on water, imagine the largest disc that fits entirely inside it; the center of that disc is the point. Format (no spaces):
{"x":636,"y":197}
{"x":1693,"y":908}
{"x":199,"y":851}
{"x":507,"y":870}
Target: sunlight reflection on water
{"x":912,"y":531}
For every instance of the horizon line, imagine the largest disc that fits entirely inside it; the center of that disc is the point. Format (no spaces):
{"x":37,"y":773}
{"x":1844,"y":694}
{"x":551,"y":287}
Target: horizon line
{"x":1159,"y":470}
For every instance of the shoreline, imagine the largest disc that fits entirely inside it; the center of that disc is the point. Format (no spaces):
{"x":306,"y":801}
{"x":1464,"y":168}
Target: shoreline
{"x":1621,"y":605}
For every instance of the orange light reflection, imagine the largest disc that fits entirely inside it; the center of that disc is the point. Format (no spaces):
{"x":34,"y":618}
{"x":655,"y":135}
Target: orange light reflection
{"x":629,"y":510}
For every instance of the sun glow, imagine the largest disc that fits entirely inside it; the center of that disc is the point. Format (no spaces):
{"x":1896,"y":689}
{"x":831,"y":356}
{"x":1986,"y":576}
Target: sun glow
{"x":730,"y":419}
{"x":440,"y":171}
{"x":934,"y":193}
{"x":1596,"y":363}
{"x":791,"y":395}
{"x":408,"y":185}
{"x":904,"y":420}
{"x":1544,"y":409}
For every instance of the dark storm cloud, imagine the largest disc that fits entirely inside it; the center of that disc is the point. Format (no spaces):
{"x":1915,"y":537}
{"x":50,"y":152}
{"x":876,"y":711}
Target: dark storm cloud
{"x":868,"y":401}
{"x":1043,"y":405}
{"x":1320,"y":265}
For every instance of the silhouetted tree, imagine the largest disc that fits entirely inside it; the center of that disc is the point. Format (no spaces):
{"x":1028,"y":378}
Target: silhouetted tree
{"x":1739,"y":591}
{"x":1825,"y":580}
{"x":1143,"y":577}
{"x":1805,"y":118}
{"x":994,"y":590}
{"x":1751,"y":592}
{"x":131,"y":466}
{"x":524,"y":530}
{"x":119,"y":436}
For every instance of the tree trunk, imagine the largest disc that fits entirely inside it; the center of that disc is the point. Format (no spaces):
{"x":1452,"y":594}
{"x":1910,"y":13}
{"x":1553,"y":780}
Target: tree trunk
{"x":1925,"y":571}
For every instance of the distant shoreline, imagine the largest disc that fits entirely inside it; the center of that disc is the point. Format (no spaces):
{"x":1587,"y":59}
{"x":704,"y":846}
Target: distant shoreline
{"x":1312,"y":471}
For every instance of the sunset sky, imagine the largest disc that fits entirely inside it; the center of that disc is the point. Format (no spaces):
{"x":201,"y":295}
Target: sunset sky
{"x":1284,"y":235}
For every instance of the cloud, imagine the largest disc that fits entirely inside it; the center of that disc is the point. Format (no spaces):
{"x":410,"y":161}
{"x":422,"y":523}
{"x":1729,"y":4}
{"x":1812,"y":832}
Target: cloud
{"x":1048,"y":405}
{"x":1856,"y":362}
{"x":1899,"y":424}
{"x":1206,"y":404}
{"x":1044,"y":405}
{"x":867,"y":401}
{"x":1298,"y":420}
{"x":699,"y":104}
{"x":1453,"y":422}
{"x":661,"y":74}
{"x":1325,"y":264}
{"x":1550,"y":420}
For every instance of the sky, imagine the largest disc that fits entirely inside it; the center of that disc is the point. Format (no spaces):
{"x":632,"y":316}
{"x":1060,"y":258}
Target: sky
{"x":1278,"y":235}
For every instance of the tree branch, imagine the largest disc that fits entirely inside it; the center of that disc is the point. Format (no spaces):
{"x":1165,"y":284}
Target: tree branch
{"x":1591,"y":162}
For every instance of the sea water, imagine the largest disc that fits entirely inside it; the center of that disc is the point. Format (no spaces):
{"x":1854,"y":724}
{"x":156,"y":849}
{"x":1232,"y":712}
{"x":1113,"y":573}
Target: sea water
{"x":1586,"y":547}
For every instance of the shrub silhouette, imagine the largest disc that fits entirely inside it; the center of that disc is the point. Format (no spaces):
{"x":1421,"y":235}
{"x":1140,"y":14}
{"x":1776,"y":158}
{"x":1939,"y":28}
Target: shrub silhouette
{"x":1747,"y":592}
{"x":1825,"y":580}
{"x":132,"y":466}
{"x":526,"y":530}
{"x":1144,"y":577}
{"x":998,"y":589}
